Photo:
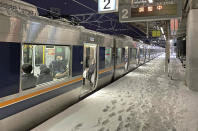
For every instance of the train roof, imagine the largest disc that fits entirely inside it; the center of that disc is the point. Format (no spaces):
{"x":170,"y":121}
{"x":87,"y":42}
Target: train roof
{"x":17,"y":7}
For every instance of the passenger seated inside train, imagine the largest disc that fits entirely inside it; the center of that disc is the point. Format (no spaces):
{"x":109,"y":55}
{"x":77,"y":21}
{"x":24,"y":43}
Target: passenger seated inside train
{"x":28,"y":79}
{"x":45,"y":75}
{"x":59,"y":68}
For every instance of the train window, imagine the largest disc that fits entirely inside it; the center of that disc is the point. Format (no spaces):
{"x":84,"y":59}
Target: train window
{"x":119,"y":55}
{"x":39,"y":50}
{"x":126,"y":54}
{"x":123,"y":55}
{"x":134,"y":53}
{"x":108,"y":56}
{"x":27,"y":54}
{"x":141,"y":52}
{"x":46,"y":64}
{"x":130,"y":55}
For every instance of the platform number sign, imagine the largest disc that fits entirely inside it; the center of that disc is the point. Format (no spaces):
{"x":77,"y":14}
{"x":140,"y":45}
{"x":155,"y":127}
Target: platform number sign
{"x":107,"y":6}
{"x":124,"y":13}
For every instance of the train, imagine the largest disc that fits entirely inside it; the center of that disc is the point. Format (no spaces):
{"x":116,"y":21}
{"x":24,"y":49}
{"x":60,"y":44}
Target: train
{"x":45,"y":64}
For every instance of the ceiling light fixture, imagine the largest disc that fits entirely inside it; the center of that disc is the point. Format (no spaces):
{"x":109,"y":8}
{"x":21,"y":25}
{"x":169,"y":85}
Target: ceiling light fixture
{"x":150,"y":1}
{"x":162,"y":30}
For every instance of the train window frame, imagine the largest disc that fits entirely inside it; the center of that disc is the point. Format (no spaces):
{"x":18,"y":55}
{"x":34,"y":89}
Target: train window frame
{"x":68,"y":66}
{"x":110,"y":56}
{"x":118,"y":55}
{"x":22,"y":54}
{"x":123,"y":55}
{"x":134,"y":55}
{"x":141,"y":52}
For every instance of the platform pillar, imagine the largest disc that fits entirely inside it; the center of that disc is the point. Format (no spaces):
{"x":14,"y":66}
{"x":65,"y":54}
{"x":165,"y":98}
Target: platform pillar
{"x":192,"y":50}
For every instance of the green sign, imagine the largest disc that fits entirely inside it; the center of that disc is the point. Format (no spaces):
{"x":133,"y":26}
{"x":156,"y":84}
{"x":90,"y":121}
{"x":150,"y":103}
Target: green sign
{"x":59,"y":50}
{"x":156,"y":33}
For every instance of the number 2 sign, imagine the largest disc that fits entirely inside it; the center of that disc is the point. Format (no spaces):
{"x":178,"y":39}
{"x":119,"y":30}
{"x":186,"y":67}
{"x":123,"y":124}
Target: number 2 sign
{"x":107,"y":6}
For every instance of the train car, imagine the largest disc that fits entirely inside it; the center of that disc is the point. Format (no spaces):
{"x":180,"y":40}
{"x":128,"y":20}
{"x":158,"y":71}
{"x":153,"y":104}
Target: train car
{"x":38,"y":78}
{"x":106,"y":61}
{"x":48,"y":65}
{"x":98,"y":60}
{"x":141,"y":53}
{"x":133,"y":55}
{"x":121,"y":52}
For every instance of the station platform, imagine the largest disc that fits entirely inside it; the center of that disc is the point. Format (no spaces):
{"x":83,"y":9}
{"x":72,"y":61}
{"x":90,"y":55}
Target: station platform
{"x":143,"y":100}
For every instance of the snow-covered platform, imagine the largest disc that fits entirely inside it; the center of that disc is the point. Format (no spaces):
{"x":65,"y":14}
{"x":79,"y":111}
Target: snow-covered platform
{"x":144,"y":100}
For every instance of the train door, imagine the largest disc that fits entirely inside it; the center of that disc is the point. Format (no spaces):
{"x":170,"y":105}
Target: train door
{"x":38,"y":59}
{"x":126,"y":58}
{"x":89,"y":68}
{"x":138,"y":56}
{"x":145,"y":53}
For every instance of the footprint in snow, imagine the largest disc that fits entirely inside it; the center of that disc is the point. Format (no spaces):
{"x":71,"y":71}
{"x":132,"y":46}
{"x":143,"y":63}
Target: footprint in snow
{"x":112,"y":114}
{"x":120,"y":111}
{"x":120,"y":127}
{"x":129,"y":109}
{"x":114,"y":102}
{"x":128,"y":119}
{"x":101,"y":129}
{"x":99,"y":121}
{"x":106,"y":109}
{"x":120,"y":118}
{"x":105,"y":122}
{"x":77,"y":127}
{"x":123,"y":103}
{"x":114,"y":107}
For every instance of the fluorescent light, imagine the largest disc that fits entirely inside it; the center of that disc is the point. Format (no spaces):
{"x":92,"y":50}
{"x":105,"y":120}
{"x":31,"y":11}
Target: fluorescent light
{"x":150,"y":1}
{"x":162,"y":30}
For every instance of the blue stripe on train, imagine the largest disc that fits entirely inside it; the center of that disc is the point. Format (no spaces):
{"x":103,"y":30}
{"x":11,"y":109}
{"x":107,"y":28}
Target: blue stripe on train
{"x":23,"y":105}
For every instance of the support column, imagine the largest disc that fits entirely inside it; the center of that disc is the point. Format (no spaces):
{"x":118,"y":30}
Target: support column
{"x":167,"y":60}
{"x":192,"y":50}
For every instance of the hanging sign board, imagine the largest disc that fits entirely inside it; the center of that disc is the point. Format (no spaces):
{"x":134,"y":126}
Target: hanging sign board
{"x":174,"y":26}
{"x":107,"y":6}
{"x":150,"y":13}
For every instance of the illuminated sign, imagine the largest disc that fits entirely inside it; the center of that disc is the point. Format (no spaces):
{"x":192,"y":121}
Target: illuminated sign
{"x":157,"y":11}
{"x":156,"y":33}
{"x":150,"y":8}
{"x":150,"y":13}
{"x":174,"y":26}
{"x":141,"y":9}
{"x":159,"y":7}
{"x":107,"y":6}
{"x":92,"y":39}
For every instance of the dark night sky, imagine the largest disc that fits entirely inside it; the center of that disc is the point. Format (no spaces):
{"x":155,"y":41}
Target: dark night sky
{"x":67,"y":6}
{"x":70,"y":7}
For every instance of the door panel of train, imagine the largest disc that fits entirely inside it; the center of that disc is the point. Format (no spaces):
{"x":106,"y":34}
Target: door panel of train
{"x":126,"y":58}
{"x":89,"y":68}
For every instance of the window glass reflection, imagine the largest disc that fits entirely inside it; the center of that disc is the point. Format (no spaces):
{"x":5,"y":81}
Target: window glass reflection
{"x":119,"y":55}
{"x":42,"y":64}
{"x":108,"y":56}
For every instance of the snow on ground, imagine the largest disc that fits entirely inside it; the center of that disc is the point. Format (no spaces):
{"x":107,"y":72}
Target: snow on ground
{"x":144,"y":100}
